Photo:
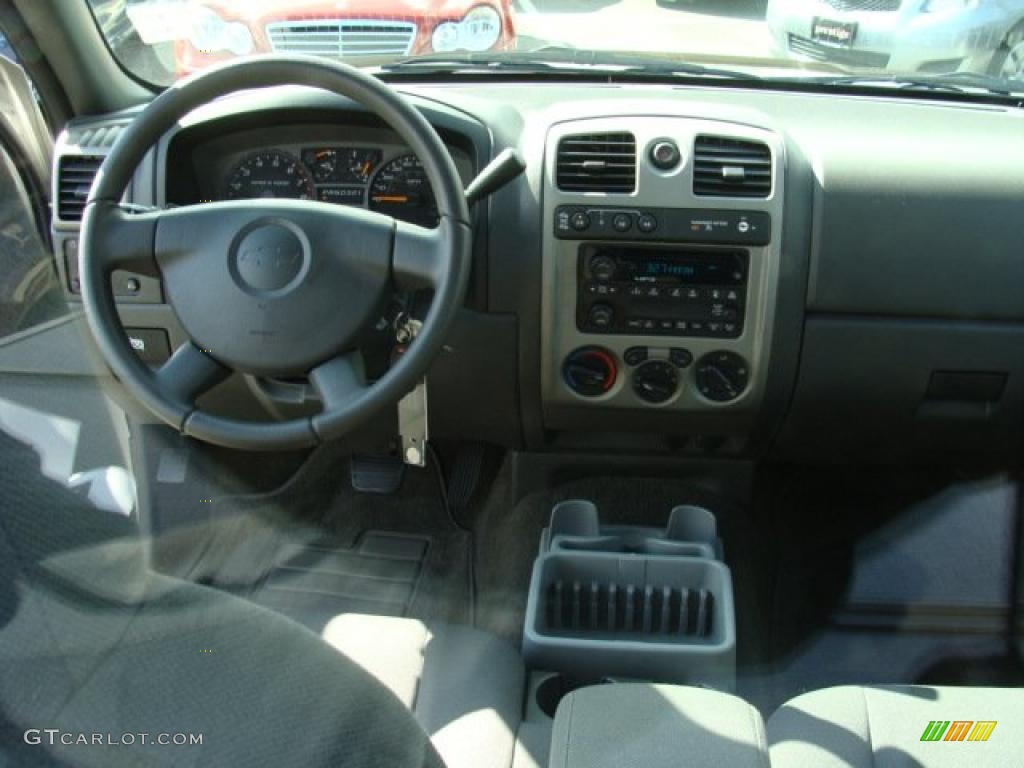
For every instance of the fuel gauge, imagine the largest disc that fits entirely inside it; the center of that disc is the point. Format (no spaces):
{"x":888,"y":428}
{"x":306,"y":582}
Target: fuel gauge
{"x":342,"y":165}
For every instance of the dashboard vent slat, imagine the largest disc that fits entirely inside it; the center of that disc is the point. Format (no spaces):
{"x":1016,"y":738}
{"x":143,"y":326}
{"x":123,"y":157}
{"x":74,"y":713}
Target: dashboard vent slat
{"x":731,"y":167}
{"x":597,"y":162}
{"x":75,"y":175}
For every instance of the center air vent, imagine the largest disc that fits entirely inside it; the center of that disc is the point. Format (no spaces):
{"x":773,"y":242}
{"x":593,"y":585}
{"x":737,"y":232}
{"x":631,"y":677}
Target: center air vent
{"x":597,"y":162}
{"x":731,"y":167}
{"x":75,"y":175}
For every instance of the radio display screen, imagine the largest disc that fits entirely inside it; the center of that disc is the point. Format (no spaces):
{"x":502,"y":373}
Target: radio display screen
{"x":632,"y":264}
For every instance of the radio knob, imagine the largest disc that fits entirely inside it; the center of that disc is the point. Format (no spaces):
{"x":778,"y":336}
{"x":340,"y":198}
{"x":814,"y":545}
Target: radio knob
{"x":601,"y":316}
{"x":603,"y":268}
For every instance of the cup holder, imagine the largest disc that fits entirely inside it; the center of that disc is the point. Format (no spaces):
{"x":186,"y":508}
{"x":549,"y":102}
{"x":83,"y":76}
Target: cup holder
{"x":552,"y":690}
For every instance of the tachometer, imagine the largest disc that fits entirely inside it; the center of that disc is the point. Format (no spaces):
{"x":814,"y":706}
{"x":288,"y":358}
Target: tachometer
{"x":401,"y":189}
{"x":271,"y":173}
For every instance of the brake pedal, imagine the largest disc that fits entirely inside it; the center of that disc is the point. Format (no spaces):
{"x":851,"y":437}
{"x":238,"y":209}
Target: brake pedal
{"x":381,"y":475}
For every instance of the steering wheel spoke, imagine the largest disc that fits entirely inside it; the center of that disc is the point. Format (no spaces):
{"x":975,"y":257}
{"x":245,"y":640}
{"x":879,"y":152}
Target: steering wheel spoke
{"x":125,"y":240}
{"x":188,"y":374}
{"x":340,"y":380}
{"x":419,"y":256}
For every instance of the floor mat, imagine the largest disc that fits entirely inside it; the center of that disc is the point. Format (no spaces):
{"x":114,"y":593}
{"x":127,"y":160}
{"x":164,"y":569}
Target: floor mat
{"x":314,"y":548}
{"x":889,"y":579}
{"x":379,"y":576}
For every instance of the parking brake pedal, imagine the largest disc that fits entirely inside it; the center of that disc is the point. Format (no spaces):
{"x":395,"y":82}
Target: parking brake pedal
{"x":381,"y":475}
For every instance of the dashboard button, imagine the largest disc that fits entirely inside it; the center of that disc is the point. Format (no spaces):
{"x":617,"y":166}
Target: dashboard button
{"x":635,"y":355}
{"x":665,"y":155}
{"x":622,"y":222}
{"x":646,"y":223}
{"x":681,"y":358}
{"x":580,"y":221}
{"x":634,"y":324}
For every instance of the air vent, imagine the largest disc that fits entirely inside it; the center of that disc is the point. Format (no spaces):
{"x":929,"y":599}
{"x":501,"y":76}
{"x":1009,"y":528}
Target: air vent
{"x":731,"y":167}
{"x":74,"y":180}
{"x":597,"y":162}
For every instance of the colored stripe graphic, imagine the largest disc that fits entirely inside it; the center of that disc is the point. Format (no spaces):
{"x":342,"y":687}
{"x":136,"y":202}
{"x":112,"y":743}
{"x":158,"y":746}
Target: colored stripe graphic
{"x":935,"y":730}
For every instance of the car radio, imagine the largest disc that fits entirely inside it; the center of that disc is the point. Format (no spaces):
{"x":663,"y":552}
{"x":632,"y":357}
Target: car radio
{"x":671,"y":291}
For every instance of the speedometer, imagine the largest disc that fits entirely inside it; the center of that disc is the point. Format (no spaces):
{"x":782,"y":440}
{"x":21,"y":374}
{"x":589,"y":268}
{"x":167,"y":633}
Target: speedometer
{"x":271,"y":173}
{"x":401,"y":189}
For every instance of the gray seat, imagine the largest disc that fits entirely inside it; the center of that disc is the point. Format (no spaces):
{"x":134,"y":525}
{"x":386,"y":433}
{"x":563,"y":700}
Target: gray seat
{"x":860,"y":727}
{"x":464,"y":687}
{"x":656,"y":726}
{"x":93,"y":642}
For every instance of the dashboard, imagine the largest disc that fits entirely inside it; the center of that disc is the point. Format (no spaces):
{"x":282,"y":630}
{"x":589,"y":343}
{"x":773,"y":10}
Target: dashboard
{"x":358,"y":166}
{"x":707,"y":271}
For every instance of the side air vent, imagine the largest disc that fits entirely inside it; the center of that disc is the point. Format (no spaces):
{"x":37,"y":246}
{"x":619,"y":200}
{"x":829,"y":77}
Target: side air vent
{"x":731,"y":168}
{"x":75,"y":175}
{"x":597,"y":162}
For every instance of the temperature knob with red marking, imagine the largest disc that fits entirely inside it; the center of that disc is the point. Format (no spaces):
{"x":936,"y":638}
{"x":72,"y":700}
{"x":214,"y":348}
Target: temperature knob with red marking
{"x":590,"y":371}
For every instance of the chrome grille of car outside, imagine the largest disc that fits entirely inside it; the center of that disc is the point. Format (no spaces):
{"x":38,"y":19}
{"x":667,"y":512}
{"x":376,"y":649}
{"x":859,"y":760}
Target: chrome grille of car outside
{"x":865,"y":5}
{"x":837,"y":55}
{"x":339,"y":38}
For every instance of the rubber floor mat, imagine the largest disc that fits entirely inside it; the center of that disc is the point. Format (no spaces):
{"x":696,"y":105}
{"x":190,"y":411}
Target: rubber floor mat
{"x":379,"y":575}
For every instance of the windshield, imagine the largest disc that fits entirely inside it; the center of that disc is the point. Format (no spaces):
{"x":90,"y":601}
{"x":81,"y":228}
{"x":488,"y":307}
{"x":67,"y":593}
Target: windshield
{"x":881,"y":41}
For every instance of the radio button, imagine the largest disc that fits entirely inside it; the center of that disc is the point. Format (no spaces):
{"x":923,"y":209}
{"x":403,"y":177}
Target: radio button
{"x":580,"y":221}
{"x":648,"y":324}
{"x":636,"y":290}
{"x":634,"y":324}
{"x":646,"y":223}
{"x":730,"y":328}
{"x":682,"y":326}
{"x":676,"y":293}
{"x":697,"y":327}
{"x":732,"y":296}
{"x":653,"y":292}
{"x":693,"y":293}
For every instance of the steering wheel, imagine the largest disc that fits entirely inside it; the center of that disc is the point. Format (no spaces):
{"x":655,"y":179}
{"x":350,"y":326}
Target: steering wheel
{"x":273,"y":287}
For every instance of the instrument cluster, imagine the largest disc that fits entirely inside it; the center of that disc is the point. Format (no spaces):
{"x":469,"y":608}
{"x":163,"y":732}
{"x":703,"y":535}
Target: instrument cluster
{"x":345,"y":175}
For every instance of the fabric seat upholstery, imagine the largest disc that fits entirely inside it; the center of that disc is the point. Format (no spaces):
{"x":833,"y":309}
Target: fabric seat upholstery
{"x":93,"y":642}
{"x":861,"y":727}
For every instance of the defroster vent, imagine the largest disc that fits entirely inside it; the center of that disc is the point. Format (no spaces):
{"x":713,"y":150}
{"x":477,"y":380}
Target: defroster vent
{"x":597,"y":162}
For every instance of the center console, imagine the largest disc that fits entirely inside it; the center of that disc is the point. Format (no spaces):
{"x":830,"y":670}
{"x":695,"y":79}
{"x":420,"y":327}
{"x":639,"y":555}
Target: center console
{"x":611,"y":602}
{"x":661,"y":264}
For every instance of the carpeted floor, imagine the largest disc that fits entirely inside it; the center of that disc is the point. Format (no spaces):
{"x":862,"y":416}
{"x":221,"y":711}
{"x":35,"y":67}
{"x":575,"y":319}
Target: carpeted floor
{"x":314,"y":547}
